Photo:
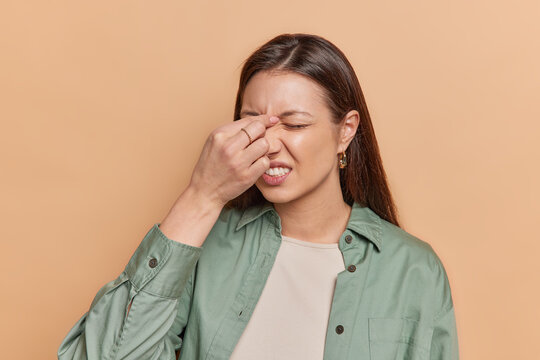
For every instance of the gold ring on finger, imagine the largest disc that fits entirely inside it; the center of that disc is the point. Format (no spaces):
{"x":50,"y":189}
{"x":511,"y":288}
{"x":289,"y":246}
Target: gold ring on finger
{"x":250,"y":140}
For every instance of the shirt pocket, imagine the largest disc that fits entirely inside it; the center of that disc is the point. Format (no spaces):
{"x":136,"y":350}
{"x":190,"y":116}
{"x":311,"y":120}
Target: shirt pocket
{"x":399,"y":339}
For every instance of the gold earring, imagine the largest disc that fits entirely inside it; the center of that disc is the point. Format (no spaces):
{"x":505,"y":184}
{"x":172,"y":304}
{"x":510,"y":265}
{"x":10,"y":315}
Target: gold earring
{"x":342,"y":160}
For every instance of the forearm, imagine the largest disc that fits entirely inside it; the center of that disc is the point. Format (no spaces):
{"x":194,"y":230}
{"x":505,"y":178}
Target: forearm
{"x":190,"y":219}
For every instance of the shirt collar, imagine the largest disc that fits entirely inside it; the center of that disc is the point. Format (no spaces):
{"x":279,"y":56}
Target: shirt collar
{"x":364,"y":221}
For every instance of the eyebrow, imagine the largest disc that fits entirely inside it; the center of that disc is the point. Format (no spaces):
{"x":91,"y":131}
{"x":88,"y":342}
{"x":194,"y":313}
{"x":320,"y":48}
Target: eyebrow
{"x":283,"y":114}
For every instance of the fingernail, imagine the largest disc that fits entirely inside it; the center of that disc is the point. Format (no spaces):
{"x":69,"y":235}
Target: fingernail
{"x":274,"y":119}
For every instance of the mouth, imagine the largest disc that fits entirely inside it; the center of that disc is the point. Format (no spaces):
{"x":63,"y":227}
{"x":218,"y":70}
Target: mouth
{"x":278,"y":170}
{"x":278,"y":177}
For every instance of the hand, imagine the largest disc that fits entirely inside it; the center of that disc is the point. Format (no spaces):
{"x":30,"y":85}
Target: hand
{"x":228,"y":164}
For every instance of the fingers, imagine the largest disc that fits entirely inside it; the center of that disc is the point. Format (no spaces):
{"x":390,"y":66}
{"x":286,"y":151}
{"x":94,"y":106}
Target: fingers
{"x":259,"y":167}
{"x":235,"y":126}
{"x":254,"y":151}
{"x":255,"y":126}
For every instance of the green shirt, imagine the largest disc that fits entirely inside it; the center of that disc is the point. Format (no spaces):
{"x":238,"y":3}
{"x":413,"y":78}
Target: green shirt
{"x":392,"y":301}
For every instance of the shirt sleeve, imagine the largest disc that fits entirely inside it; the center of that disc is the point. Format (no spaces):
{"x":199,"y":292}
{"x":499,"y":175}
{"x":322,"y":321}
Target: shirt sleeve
{"x":156,"y":283}
{"x":444,"y":342}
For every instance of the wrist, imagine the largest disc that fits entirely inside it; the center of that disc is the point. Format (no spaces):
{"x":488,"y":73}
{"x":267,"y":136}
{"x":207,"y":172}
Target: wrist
{"x":190,"y":208}
{"x":205,"y":202}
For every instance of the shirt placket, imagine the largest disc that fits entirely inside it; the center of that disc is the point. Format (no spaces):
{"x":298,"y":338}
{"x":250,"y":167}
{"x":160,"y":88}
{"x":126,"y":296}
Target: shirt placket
{"x":350,"y":283}
{"x":237,"y":317}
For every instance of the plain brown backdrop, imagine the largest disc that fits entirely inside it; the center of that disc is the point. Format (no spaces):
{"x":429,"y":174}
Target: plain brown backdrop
{"x":105,"y":106}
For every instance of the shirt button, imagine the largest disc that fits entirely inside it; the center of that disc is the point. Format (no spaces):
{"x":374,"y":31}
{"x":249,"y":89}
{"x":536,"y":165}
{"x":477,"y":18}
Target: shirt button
{"x":351,"y":268}
{"x":152,"y":263}
{"x":348,"y":239}
{"x":339,"y":329}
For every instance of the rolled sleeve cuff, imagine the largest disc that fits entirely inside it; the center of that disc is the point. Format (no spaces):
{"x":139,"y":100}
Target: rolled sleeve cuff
{"x":162,"y":266}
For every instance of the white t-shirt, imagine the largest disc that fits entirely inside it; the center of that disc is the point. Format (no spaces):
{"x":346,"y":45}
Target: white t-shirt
{"x":290,"y":319}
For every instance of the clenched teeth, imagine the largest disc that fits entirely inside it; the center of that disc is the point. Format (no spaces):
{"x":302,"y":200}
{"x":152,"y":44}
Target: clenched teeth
{"x":279,"y":171}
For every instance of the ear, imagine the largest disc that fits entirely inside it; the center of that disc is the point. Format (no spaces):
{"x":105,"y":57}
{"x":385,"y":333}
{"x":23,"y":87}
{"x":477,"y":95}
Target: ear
{"x":348,"y":127}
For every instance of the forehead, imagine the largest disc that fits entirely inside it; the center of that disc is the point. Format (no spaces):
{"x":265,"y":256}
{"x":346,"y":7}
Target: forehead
{"x":267,"y":91}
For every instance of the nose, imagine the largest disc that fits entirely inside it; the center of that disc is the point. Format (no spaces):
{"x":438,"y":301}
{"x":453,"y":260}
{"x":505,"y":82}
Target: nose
{"x":274,"y":140}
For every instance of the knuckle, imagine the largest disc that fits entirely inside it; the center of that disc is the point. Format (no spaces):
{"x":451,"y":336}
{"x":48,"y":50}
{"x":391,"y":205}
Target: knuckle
{"x":235,"y":165}
{"x":228,"y":151}
{"x":244,"y":177}
{"x":217,"y":135}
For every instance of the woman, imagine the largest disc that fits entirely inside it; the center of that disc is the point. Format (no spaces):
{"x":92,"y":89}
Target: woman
{"x":285,"y":244}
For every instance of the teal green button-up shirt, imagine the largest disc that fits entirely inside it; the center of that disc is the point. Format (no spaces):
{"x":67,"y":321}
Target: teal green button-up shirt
{"x":392,"y":301}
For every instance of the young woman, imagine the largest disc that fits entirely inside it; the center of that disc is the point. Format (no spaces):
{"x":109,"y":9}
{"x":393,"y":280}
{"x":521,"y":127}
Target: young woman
{"x":286,"y":242}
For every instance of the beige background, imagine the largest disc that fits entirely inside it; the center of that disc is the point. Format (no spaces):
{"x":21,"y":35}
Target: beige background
{"x":105,"y":106}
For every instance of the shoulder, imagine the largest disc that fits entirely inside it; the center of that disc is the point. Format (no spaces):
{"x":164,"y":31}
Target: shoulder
{"x":399,"y":242}
{"x":407,"y":251}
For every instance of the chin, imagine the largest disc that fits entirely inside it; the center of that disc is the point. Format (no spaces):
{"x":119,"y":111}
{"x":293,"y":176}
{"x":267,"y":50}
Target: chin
{"x":275,"y":194}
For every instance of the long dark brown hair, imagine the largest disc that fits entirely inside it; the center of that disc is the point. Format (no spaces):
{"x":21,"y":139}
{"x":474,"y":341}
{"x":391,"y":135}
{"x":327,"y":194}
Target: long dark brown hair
{"x":363,"y":180}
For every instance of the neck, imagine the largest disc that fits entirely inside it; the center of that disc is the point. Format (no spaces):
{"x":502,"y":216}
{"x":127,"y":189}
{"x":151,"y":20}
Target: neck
{"x":319,"y":217}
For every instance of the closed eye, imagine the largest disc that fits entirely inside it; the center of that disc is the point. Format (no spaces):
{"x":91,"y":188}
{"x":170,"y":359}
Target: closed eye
{"x":295,"y":126}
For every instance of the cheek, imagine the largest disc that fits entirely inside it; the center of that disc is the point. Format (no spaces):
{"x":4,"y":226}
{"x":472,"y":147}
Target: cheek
{"x":311,"y":150}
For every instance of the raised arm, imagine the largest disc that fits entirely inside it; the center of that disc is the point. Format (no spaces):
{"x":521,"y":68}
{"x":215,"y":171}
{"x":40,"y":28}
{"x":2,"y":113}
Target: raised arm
{"x":133,"y":317}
